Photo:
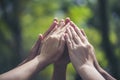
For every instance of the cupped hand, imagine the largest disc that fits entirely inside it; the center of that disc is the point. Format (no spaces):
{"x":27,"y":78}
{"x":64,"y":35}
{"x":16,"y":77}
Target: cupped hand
{"x":95,"y":62}
{"x":37,"y":46}
{"x":64,"y":59}
{"x":53,"y":45}
{"x":80,"y":50}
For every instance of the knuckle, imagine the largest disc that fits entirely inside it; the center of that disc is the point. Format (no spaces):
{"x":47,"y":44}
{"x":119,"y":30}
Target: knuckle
{"x":76,"y":36}
{"x":53,"y":37}
{"x":88,"y":46}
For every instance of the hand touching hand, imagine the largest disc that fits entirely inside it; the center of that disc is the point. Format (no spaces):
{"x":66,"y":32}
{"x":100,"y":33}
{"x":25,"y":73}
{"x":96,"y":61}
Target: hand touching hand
{"x":60,"y":66}
{"x":36,"y":48}
{"x":64,"y":59}
{"x":81,"y":54}
{"x":53,"y":45}
{"x":80,"y":50}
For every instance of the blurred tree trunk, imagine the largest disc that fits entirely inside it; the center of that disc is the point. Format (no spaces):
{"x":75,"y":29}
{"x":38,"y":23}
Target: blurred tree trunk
{"x":107,"y":46}
{"x":10,"y":16}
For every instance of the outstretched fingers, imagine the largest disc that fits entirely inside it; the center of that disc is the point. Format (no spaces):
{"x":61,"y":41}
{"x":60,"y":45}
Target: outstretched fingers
{"x":61,"y":43}
{"x":75,"y":36}
{"x":61,"y":23}
{"x":37,"y":44}
{"x":55,"y":22}
{"x":80,"y":33}
{"x":67,"y":20}
{"x":68,"y":41}
{"x":83,"y":32}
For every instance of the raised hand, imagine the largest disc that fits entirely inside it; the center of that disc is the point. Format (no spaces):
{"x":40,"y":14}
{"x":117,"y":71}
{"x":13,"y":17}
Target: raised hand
{"x":53,"y":45}
{"x":78,"y":47}
{"x":60,"y":66}
{"x":36,"y":48}
{"x":81,"y":54}
{"x":34,"y":51}
{"x":95,"y":62}
{"x":64,"y":59}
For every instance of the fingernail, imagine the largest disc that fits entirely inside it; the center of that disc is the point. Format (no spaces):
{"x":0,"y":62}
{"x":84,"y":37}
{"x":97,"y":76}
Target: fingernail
{"x":68,"y":18}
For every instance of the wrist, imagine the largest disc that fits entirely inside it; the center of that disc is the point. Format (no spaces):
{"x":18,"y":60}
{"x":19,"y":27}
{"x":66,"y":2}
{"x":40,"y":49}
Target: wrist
{"x":86,"y":64}
{"x":84,"y":67}
{"x":59,"y":72}
{"x":42,"y":62}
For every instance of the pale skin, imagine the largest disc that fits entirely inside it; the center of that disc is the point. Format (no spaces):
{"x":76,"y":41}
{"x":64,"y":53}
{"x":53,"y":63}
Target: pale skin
{"x":60,"y":69}
{"x":36,"y":48}
{"x":46,"y":56}
{"x":82,"y":56}
{"x":60,"y":66}
{"x":95,"y":62}
{"x":42,"y":55}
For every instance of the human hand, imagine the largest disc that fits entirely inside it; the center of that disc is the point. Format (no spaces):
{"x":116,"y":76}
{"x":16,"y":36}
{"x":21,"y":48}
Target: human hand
{"x":64,"y":59}
{"x":86,"y":61}
{"x":80,"y":50}
{"x":95,"y":62}
{"x":60,"y":65}
{"x":57,"y":42}
{"x":36,"y":48}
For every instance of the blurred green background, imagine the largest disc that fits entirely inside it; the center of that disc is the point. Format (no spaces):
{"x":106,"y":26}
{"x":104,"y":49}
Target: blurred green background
{"x":22,"y":20}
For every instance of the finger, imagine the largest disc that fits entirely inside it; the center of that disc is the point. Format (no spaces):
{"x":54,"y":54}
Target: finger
{"x":55,"y":22}
{"x":78,"y":31}
{"x":69,"y":33}
{"x":61,"y":23}
{"x":55,"y":28}
{"x":67,"y":20}
{"x":70,"y":36}
{"x":56,"y":19}
{"x":68,"y":41}
{"x":38,"y":42}
{"x":40,"y":37}
{"x":75,"y":36}
{"x":76,"y":28}
{"x":66,"y":26}
{"x":83,"y":32}
{"x":35,"y":49}
{"x":61,"y":44}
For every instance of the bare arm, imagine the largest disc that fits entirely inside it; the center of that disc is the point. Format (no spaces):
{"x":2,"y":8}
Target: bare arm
{"x":95,"y":62}
{"x":105,"y":74}
{"x":59,"y":72}
{"x":81,"y":55}
{"x":25,"y":71}
{"x":60,"y":67}
{"x":46,"y":55}
{"x":36,"y":48}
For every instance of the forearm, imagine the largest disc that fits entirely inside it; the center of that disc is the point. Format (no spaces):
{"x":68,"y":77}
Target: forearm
{"x":89,"y":73}
{"x":59,"y":72}
{"x":105,"y":74}
{"x":25,"y":71}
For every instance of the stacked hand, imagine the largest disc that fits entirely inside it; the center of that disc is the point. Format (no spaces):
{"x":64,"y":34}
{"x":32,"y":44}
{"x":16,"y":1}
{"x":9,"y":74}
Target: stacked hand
{"x":63,"y":42}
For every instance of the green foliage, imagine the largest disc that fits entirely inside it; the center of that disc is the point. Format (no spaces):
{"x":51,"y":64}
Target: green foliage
{"x":38,"y":21}
{"x":37,"y":16}
{"x":80,"y":14}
